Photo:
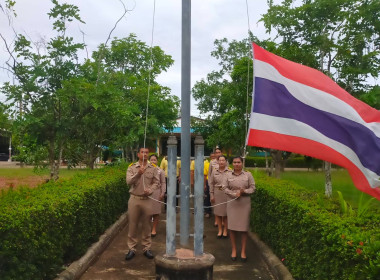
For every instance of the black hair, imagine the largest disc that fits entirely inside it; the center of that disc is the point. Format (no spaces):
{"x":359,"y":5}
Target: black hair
{"x":223,"y":157}
{"x":153,"y":155}
{"x":141,"y":147}
{"x":239,"y":157}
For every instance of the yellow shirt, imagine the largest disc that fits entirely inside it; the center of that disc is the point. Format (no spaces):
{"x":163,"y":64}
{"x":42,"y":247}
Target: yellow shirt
{"x":164,"y":166}
{"x":178,"y":167}
{"x":206,"y":168}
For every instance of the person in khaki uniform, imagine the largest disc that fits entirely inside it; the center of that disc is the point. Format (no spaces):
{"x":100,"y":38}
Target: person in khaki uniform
{"x":158,"y":194}
{"x":213,"y":164}
{"x":240,"y":184}
{"x":142,"y":178}
{"x":217,"y":183}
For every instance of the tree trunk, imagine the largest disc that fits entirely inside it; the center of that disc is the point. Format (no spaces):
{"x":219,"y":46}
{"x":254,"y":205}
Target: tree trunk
{"x":276,"y":162}
{"x":133,"y":155}
{"x":266,"y":163}
{"x":328,"y":184}
{"x":58,"y":163}
{"x":52,"y":158}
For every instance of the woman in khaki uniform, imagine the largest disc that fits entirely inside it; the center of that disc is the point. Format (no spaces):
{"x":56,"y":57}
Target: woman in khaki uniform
{"x":158,"y":194}
{"x":240,"y":184}
{"x":217,"y":183}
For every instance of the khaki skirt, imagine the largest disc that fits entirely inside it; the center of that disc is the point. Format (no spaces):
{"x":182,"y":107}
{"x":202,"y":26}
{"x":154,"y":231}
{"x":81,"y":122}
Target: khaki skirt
{"x":238,"y":213}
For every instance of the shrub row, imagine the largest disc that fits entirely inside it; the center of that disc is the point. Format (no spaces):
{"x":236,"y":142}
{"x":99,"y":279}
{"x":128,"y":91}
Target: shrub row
{"x":42,"y":229}
{"x":296,"y":162}
{"x":308,"y":233}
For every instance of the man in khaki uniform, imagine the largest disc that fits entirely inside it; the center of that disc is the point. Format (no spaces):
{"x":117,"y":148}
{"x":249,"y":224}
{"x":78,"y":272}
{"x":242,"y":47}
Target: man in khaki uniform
{"x":142,"y":178}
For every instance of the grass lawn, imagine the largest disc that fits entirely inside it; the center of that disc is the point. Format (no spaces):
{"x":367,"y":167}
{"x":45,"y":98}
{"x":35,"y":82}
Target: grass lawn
{"x":27,"y":172}
{"x":341,"y":181}
{"x":28,"y":177}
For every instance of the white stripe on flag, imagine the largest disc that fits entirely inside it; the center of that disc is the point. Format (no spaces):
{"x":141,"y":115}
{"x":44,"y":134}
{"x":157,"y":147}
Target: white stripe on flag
{"x":313,"y":97}
{"x":299,"y":129}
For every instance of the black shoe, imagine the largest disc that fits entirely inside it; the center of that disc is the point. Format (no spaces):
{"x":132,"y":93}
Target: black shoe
{"x":243,"y":259}
{"x":153,"y":234}
{"x":233,"y":258}
{"x":148,"y":254}
{"x":219,"y":236}
{"x":130,"y":255}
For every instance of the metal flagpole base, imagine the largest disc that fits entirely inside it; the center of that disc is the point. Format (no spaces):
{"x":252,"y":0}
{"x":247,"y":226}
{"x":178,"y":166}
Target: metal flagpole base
{"x":184,"y":266}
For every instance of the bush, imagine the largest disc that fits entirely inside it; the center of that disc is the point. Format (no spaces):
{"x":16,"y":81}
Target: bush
{"x":256,"y":161}
{"x":309,"y":234}
{"x":42,"y":229}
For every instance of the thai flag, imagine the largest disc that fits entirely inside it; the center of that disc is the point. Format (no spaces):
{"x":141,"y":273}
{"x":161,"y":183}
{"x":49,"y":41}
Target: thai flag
{"x":299,"y":109}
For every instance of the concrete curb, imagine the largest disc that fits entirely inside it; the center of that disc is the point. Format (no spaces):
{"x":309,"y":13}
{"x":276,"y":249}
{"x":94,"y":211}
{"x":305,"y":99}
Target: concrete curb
{"x":77,"y":268}
{"x":277,"y":268}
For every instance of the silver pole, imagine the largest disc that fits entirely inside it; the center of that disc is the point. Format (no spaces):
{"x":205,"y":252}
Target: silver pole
{"x":171,"y":196}
{"x":198,"y":195}
{"x":185,"y":123}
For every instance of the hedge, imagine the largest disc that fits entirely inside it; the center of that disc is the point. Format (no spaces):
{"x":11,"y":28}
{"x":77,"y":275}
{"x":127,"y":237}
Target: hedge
{"x":293,"y":162}
{"x":44,"y":228}
{"x":310,"y":235}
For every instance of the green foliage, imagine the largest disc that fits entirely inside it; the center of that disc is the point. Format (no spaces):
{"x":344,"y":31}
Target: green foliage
{"x":364,"y":205}
{"x":226,"y":98}
{"x":42,"y":229}
{"x":315,"y":181}
{"x":345,"y":208}
{"x":309,"y":234}
{"x":372,"y":97}
{"x":256,"y":161}
{"x":5,"y":122}
{"x":71,"y":108}
{"x":294,"y":162}
{"x":337,"y":36}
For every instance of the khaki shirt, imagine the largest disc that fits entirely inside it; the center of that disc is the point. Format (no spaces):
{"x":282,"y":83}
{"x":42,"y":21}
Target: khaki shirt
{"x":236,"y":182}
{"x":162,"y":184}
{"x":148,"y":181}
{"x":218,"y":180}
{"x":213,"y":164}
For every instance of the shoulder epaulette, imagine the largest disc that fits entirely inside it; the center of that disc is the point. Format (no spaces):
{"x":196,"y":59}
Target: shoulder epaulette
{"x":132,"y":164}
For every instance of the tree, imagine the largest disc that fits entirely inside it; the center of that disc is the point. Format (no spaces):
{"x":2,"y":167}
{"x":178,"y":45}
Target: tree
{"x":5,"y":121}
{"x":39,"y":72}
{"x":224,"y":93}
{"x":70,"y":109}
{"x":108,"y":98}
{"x":338,"y":37}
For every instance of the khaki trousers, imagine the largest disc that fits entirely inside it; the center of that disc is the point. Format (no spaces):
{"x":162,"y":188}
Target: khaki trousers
{"x":139,"y":210}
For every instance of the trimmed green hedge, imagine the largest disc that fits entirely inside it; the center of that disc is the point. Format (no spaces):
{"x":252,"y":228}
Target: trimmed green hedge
{"x":42,"y":229}
{"x":293,"y":162}
{"x":256,"y":161}
{"x":307,"y":232}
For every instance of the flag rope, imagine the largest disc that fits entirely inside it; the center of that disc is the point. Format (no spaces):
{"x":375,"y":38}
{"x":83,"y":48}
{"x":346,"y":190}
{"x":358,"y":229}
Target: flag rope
{"x":149,"y":78}
{"x":247,"y":97}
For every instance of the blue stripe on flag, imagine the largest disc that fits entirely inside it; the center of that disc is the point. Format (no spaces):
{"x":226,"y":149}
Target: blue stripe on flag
{"x":274,"y":99}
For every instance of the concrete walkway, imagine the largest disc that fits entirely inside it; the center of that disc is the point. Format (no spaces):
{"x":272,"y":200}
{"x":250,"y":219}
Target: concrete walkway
{"x":111,"y":265}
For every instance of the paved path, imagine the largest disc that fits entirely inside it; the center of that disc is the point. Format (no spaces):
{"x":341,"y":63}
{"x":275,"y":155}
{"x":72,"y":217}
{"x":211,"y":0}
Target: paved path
{"x":111,"y":265}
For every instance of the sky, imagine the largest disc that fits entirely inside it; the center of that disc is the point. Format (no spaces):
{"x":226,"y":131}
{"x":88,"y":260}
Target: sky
{"x":210,"y":20}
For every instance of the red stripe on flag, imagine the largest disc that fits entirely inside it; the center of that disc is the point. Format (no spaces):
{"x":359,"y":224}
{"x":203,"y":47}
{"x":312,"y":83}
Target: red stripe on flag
{"x":316,"y":79}
{"x":267,"y":139}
